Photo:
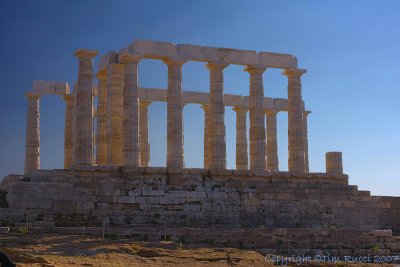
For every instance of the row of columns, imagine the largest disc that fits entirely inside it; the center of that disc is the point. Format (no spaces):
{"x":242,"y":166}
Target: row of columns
{"x":122,"y":126}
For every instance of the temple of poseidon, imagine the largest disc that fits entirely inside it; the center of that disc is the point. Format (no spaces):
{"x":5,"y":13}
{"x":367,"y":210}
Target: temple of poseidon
{"x":107,"y":179}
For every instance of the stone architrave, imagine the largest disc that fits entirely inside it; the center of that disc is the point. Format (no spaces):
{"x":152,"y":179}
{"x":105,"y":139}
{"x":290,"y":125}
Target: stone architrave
{"x":84,"y":108}
{"x":175,"y":160}
{"x":144,"y":133}
{"x":272,"y":141}
{"x":295,"y":118}
{"x":101,"y":148}
{"x":32,"y":151}
{"x":68,"y":131}
{"x":305,"y":136}
{"x":131,"y":152}
{"x":217,"y":116}
{"x":241,"y":139}
{"x":257,"y":123}
{"x":115,"y":88}
{"x":206,"y":109}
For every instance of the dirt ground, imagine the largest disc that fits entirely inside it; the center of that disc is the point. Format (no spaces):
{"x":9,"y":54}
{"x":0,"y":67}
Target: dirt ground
{"x":77,"y":250}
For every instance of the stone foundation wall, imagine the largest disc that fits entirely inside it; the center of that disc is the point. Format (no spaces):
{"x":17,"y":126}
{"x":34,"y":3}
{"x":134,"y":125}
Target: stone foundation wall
{"x":194,"y":198}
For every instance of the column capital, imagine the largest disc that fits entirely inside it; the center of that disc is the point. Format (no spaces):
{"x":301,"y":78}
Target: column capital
{"x":213,"y":65}
{"x":255,"y":69}
{"x":85,"y":54}
{"x":144,"y":103}
{"x":33,"y":95}
{"x":129,"y":58}
{"x":306,"y":113}
{"x":294,"y":72}
{"x":205,"y":107}
{"x":238,"y":109}
{"x":102,"y":75}
{"x":174,"y":61}
{"x":67,"y":97}
{"x":271,"y":111}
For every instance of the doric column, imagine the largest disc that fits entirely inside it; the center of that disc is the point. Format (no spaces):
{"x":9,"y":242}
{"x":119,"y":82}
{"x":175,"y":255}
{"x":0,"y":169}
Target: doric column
{"x":101,"y":144}
{"x":131,"y":153}
{"x":206,"y":109}
{"x":84,"y":108}
{"x":241,"y":139}
{"x":272,"y":141}
{"x":144,"y":133}
{"x":334,"y":162}
{"x":115,"y":88}
{"x":257,"y":123}
{"x":174,"y":115}
{"x":217,"y":116}
{"x":305,"y":138}
{"x":32,"y":152}
{"x":68,"y":131}
{"x":295,"y":118}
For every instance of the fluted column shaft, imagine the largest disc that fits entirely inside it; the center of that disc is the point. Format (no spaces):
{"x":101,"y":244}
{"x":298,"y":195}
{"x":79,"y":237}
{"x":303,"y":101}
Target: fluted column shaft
{"x":101,"y":144}
{"x":206,"y":109}
{"x":217,"y":116}
{"x":174,"y":115}
{"x":257,"y":122}
{"x":32,"y":146}
{"x":68,"y":131}
{"x":272,"y":141}
{"x":131,"y":152}
{"x":144,"y":133}
{"x":84,"y":108}
{"x":295,"y":118}
{"x":115,"y":88}
{"x":305,"y":136}
{"x":241,"y":139}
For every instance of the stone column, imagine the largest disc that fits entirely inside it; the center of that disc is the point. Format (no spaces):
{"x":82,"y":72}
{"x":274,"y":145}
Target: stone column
{"x":272,"y":141}
{"x":131,"y":153}
{"x":144,"y":133}
{"x":334,"y":162}
{"x":101,"y":148}
{"x":68,"y":131}
{"x":295,"y":118}
{"x":217,"y":116}
{"x":305,"y":138}
{"x":257,"y":123}
{"x":174,"y":116}
{"x":84,"y":108}
{"x":115,"y":88}
{"x":241,"y":139}
{"x":206,"y":109}
{"x":32,"y":146}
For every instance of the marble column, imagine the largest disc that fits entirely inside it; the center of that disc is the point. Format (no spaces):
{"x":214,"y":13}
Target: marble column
{"x":84,"y":108}
{"x":217,"y":116}
{"x":144,"y":133}
{"x":272,"y":141}
{"x":305,"y":138}
{"x":295,"y":118}
{"x":257,"y":123}
{"x":32,"y":146}
{"x":68,"y":131}
{"x":174,"y":115}
{"x":241,"y":139}
{"x":101,"y":144}
{"x":206,"y":109}
{"x":334,"y":162}
{"x":131,"y":152}
{"x":115,"y":88}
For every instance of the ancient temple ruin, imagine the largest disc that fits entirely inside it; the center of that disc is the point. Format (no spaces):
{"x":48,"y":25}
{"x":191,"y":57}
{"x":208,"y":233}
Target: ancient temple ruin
{"x":107,"y":177}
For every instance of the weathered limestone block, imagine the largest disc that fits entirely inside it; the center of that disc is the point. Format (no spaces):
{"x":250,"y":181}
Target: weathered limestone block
{"x":51,"y":87}
{"x":295,"y":118}
{"x":32,"y":152}
{"x":115,"y":86}
{"x":241,"y":57}
{"x":334,"y":162}
{"x":84,"y":109}
{"x":198,"y":53}
{"x":153,"y":49}
{"x":276,"y":60}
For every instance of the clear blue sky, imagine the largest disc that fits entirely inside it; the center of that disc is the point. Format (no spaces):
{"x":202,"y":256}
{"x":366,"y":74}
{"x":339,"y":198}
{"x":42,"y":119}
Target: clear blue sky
{"x":350,"y":48}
